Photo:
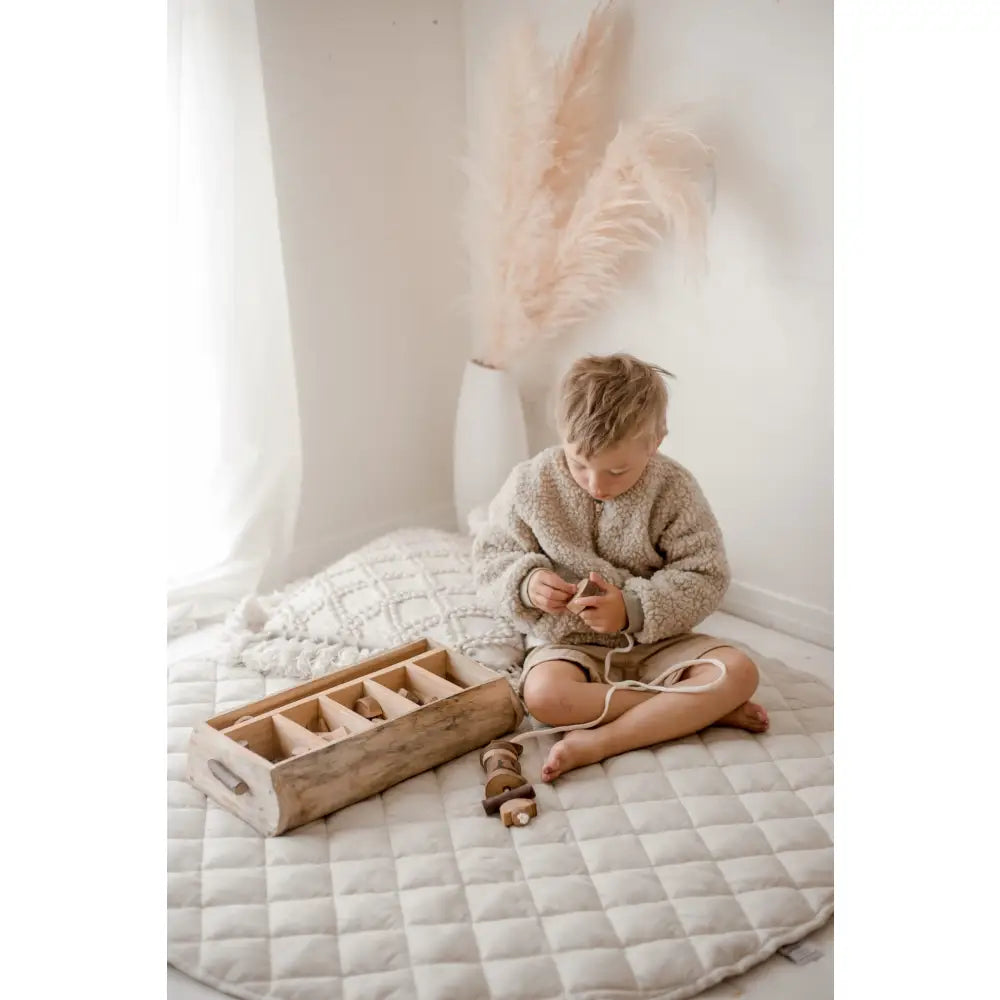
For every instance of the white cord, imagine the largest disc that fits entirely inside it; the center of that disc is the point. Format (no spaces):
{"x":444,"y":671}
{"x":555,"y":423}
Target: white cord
{"x":655,"y":685}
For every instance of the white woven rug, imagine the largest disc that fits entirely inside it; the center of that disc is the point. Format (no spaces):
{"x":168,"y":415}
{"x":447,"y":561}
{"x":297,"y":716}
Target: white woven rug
{"x":409,"y":583}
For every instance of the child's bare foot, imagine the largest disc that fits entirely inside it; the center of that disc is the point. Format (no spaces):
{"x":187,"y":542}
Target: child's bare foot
{"x":749,"y":715}
{"x":586,"y":746}
{"x":575,"y":749}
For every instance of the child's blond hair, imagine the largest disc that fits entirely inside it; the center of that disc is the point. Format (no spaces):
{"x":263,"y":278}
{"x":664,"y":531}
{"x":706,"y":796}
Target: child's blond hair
{"x":604,"y":401}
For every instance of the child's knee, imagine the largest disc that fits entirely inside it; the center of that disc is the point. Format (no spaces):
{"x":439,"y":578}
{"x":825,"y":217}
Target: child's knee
{"x":740,"y":669}
{"x":542,"y":698}
{"x":545,"y":692}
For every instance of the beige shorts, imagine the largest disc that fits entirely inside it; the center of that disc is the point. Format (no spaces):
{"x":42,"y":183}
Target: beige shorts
{"x":643,"y":662}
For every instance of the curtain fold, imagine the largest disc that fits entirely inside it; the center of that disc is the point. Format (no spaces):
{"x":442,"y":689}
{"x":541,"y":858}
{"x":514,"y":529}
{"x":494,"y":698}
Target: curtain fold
{"x":234,"y":462}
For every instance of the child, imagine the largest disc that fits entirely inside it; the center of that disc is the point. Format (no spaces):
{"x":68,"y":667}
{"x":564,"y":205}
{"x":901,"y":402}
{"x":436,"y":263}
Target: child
{"x":605,"y":505}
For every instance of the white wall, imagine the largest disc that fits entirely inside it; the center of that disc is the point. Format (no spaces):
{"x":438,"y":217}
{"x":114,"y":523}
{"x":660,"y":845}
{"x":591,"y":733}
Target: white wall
{"x":752,"y":409}
{"x":366,"y":110}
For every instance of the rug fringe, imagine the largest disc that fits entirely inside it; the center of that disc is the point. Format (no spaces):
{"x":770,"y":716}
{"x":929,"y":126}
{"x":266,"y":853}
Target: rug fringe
{"x":247,"y":643}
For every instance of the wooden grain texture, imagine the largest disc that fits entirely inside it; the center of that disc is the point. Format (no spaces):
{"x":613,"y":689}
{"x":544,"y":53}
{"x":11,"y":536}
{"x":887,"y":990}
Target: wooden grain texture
{"x":305,"y":713}
{"x":434,"y":662}
{"x":260,"y":737}
{"x":495,"y":759}
{"x":340,"y":715}
{"x":502,"y":780}
{"x":393,"y":705}
{"x":505,"y":745}
{"x":292,"y":769}
{"x":466,"y":671}
{"x":368,"y":763}
{"x":429,"y":685}
{"x":418,"y":680}
{"x":302,"y":691}
{"x":346,"y":694}
{"x":259,"y":806}
{"x":291,"y":736}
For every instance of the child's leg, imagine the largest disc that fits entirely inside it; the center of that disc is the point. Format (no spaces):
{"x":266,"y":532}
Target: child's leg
{"x":557,"y":693}
{"x":659,"y":717}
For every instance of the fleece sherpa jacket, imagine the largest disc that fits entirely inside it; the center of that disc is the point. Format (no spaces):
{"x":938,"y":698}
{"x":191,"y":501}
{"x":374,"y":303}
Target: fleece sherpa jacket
{"x":659,"y":542}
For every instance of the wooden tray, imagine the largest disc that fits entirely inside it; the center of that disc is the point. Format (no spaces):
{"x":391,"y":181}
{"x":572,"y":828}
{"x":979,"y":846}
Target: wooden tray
{"x":276,"y":770}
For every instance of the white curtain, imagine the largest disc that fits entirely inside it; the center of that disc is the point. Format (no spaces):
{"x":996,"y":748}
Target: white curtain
{"x":234,"y":466}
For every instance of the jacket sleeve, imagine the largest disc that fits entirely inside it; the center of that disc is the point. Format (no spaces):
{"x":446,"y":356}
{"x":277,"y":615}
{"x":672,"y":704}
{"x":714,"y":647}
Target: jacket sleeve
{"x":504,"y":553}
{"x":694,"y":580}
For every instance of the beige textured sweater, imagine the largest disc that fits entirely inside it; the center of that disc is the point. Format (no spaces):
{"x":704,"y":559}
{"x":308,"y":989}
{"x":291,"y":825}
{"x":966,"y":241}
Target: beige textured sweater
{"x":658,"y":541}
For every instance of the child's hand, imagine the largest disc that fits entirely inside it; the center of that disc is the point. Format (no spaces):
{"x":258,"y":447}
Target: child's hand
{"x":549,"y":591}
{"x":604,"y":613}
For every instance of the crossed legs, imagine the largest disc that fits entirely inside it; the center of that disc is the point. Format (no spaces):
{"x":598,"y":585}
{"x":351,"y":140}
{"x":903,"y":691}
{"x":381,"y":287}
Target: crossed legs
{"x":557,"y":693}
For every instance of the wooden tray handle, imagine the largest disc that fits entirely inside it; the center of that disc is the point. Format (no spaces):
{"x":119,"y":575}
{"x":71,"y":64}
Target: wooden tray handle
{"x":233,"y":782}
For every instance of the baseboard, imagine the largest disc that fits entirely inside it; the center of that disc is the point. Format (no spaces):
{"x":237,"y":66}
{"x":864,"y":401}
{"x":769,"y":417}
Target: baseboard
{"x":307,"y":559}
{"x":804,"y":621}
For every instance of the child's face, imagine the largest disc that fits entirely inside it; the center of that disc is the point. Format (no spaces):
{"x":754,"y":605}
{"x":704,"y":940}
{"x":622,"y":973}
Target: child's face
{"x":610,"y":473}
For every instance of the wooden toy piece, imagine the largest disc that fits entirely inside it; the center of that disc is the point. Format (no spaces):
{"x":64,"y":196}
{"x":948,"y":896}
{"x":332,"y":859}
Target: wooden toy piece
{"x":502,"y":780}
{"x":242,"y":719}
{"x":339,"y":733}
{"x":585,"y":588}
{"x":411,"y":695}
{"x":369,"y":708}
{"x":501,"y":765}
{"x":491,"y":806}
{"x":494,"y":759}
{"x":514,"y":748}
{"x":518,"y":812}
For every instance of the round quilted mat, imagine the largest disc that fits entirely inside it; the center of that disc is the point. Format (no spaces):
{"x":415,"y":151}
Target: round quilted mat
{"x":657,"y":873}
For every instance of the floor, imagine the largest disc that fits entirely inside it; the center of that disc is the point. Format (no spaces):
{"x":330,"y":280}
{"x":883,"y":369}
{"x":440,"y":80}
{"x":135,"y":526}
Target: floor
{"x":776,"y":979}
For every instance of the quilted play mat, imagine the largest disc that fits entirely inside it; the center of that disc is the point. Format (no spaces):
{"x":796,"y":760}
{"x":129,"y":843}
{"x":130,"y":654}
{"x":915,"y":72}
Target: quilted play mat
{"x":655,"y":874}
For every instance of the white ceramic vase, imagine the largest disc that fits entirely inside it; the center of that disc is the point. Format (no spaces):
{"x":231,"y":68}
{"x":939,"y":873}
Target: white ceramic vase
{"x":490,"y":438}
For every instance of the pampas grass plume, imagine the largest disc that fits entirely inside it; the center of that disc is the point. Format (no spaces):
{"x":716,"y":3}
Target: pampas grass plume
{"x":552,"y":218}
